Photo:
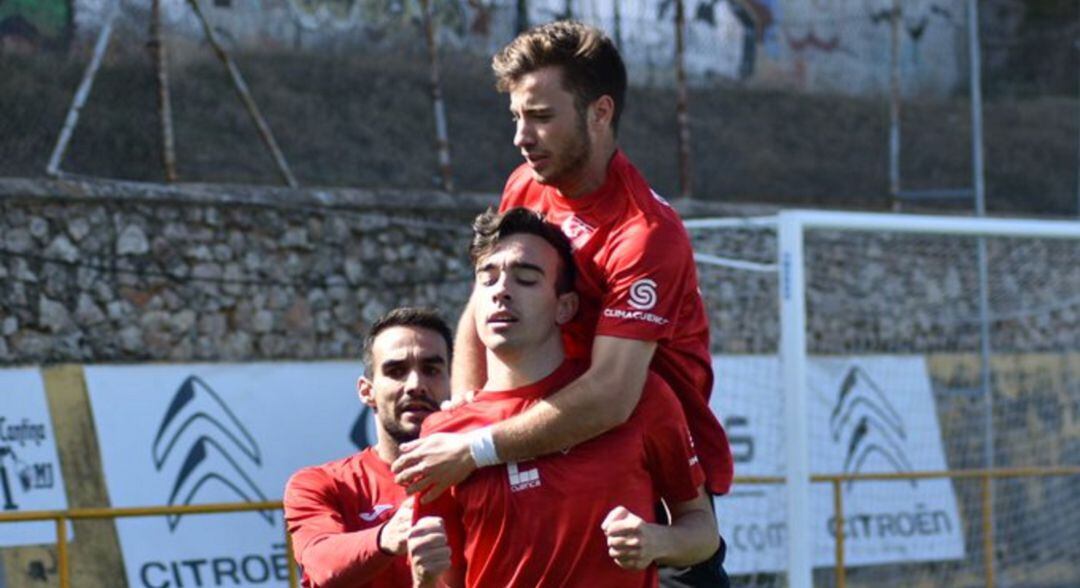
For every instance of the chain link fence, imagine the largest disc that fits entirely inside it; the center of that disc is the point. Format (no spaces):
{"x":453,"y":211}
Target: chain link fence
{"x":790,"y":102}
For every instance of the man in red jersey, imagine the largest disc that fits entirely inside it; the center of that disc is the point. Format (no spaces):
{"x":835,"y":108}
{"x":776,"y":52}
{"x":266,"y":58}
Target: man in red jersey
{"x":640,"y":304}
{"x":348,"y":519}
{"x":582,"y":516}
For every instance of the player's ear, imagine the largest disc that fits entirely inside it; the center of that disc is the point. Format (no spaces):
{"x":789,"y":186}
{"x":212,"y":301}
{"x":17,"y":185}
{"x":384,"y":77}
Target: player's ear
{"x":602,"y":111}
{"x":566,"y":307}
{"x":366,"y":392}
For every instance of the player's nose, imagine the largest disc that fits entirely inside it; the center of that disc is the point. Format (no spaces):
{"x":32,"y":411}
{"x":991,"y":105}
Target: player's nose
{"x":500,"y":290}
{"x":523,"y":135}
{"x":414,"y":383}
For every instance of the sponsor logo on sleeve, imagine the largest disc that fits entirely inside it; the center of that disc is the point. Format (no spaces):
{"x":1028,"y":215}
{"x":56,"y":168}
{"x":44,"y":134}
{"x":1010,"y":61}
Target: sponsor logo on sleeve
{"x":216,"y":448}
{"x":643,"y":294}
{"x":642,"y":299}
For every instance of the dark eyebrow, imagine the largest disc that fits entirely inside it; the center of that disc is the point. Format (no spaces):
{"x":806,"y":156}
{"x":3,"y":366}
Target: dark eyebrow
{"x":513,"y":266}
{"x":533,"y":109}
{"x":527,"y":266}
{"x":430,"y":359}
{"x":392,"y":363}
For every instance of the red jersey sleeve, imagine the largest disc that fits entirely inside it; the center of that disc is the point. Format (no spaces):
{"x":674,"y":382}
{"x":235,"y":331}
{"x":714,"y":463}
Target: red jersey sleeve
{"x":329,"y":555}
{"x":669,"y":448}
{"x":647,"y":272}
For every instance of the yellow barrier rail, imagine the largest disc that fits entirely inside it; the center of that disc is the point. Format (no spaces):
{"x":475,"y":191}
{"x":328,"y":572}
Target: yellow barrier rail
{"x":76,"y":514}
{"x":986,"y":477}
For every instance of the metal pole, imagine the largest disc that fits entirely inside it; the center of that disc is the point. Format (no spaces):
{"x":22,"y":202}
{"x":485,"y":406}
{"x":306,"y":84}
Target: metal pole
{"x":72,"y":119}
{"x":838,"y":518}
{"x":617,"y":25}
{"x":521,"y":18}
{"x":979,"y":180}
{"x":1077,"y":47}
{"x":988,"y":529}
{"x":157,"y":48}
{"x":793,"y":369}
{"x":681,"y":111}
{"x":293,"y":580}
{"x":62,"y":553}
{"x":245,"y":97}
{"x":442,"y":142}
{"x":976,"y":108}
{"x":894,"y":104}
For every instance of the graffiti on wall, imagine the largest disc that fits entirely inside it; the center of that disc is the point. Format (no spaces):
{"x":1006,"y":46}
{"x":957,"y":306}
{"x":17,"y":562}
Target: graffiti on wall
{"x":819,"y":27}
{"x":459,"y":18}
{"x":38,"y":23}
{"x":915,"y":19}
{"x":845,"y":44}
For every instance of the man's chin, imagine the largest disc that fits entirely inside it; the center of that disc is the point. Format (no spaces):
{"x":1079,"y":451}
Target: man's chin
{"x":493,"y":340}
{"x":545,"y":179}
{"x":405,"y":434}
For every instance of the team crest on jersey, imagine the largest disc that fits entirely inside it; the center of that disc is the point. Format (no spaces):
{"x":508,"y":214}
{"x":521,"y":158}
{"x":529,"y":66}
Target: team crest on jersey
{"x":522,"y":479}
{"x":642,"y":298}
{"x":577,"y":231}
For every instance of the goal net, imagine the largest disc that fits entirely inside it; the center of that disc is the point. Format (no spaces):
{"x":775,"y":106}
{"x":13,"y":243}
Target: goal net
{"x":852,"y":345}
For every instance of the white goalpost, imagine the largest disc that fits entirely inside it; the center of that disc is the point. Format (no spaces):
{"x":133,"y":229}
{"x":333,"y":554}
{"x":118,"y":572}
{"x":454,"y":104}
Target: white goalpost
{"x":875,"y":359}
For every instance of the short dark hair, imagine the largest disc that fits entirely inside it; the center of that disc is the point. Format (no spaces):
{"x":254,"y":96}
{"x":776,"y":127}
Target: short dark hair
{"x":590,"y":63}
{"x":492,"y":227}
{"x":407,"y":316}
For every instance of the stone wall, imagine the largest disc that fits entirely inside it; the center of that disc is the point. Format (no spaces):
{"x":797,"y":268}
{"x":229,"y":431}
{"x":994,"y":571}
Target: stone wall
{"x":121,"y":271}
{"x":104,"y":272}
{"x":895,"y":293}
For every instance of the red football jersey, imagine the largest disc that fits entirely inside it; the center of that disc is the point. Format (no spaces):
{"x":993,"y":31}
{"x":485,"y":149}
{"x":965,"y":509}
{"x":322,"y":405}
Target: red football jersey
{"x":334,"y":512}
{"x":537,"y":523}
{"x":637,"y":280}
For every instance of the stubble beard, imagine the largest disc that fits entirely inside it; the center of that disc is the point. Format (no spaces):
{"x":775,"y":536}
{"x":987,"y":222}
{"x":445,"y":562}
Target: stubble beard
{"x":577,"y":156}
{"x":396,"y":432}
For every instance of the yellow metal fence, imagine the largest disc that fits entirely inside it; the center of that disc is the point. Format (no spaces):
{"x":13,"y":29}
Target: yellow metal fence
{"x":60,"y":517}
{"x":986,"y":477}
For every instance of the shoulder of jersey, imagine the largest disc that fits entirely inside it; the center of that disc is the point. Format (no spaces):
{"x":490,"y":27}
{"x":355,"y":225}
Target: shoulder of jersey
{"x":436,"y":421}
{"x":453,"y":418}
{"x":326,"y":471}
{"x":646,"y":200}
{"x":357,"y":460}
{"x":518,"y":181}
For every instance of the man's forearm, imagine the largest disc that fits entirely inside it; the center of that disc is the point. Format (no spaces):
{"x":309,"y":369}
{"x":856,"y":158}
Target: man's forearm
{"x":469,"y":371}
{"x":691,"y":538}
{"x":344,"y":559}
{"x":589,"y":406}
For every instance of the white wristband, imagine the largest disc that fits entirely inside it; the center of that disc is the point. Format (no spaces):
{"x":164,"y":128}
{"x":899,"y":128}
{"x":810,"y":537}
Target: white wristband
{"x":482,"y":448}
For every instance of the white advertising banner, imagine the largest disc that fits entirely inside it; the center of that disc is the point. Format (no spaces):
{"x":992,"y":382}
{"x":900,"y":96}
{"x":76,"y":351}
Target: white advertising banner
{"x":866,"y":414}
{"x":30,"y":477}
{"x":192,"y":434}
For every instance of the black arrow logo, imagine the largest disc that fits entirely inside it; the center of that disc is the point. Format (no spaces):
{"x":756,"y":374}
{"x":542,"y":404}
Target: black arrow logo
{"x":217,"y":446}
